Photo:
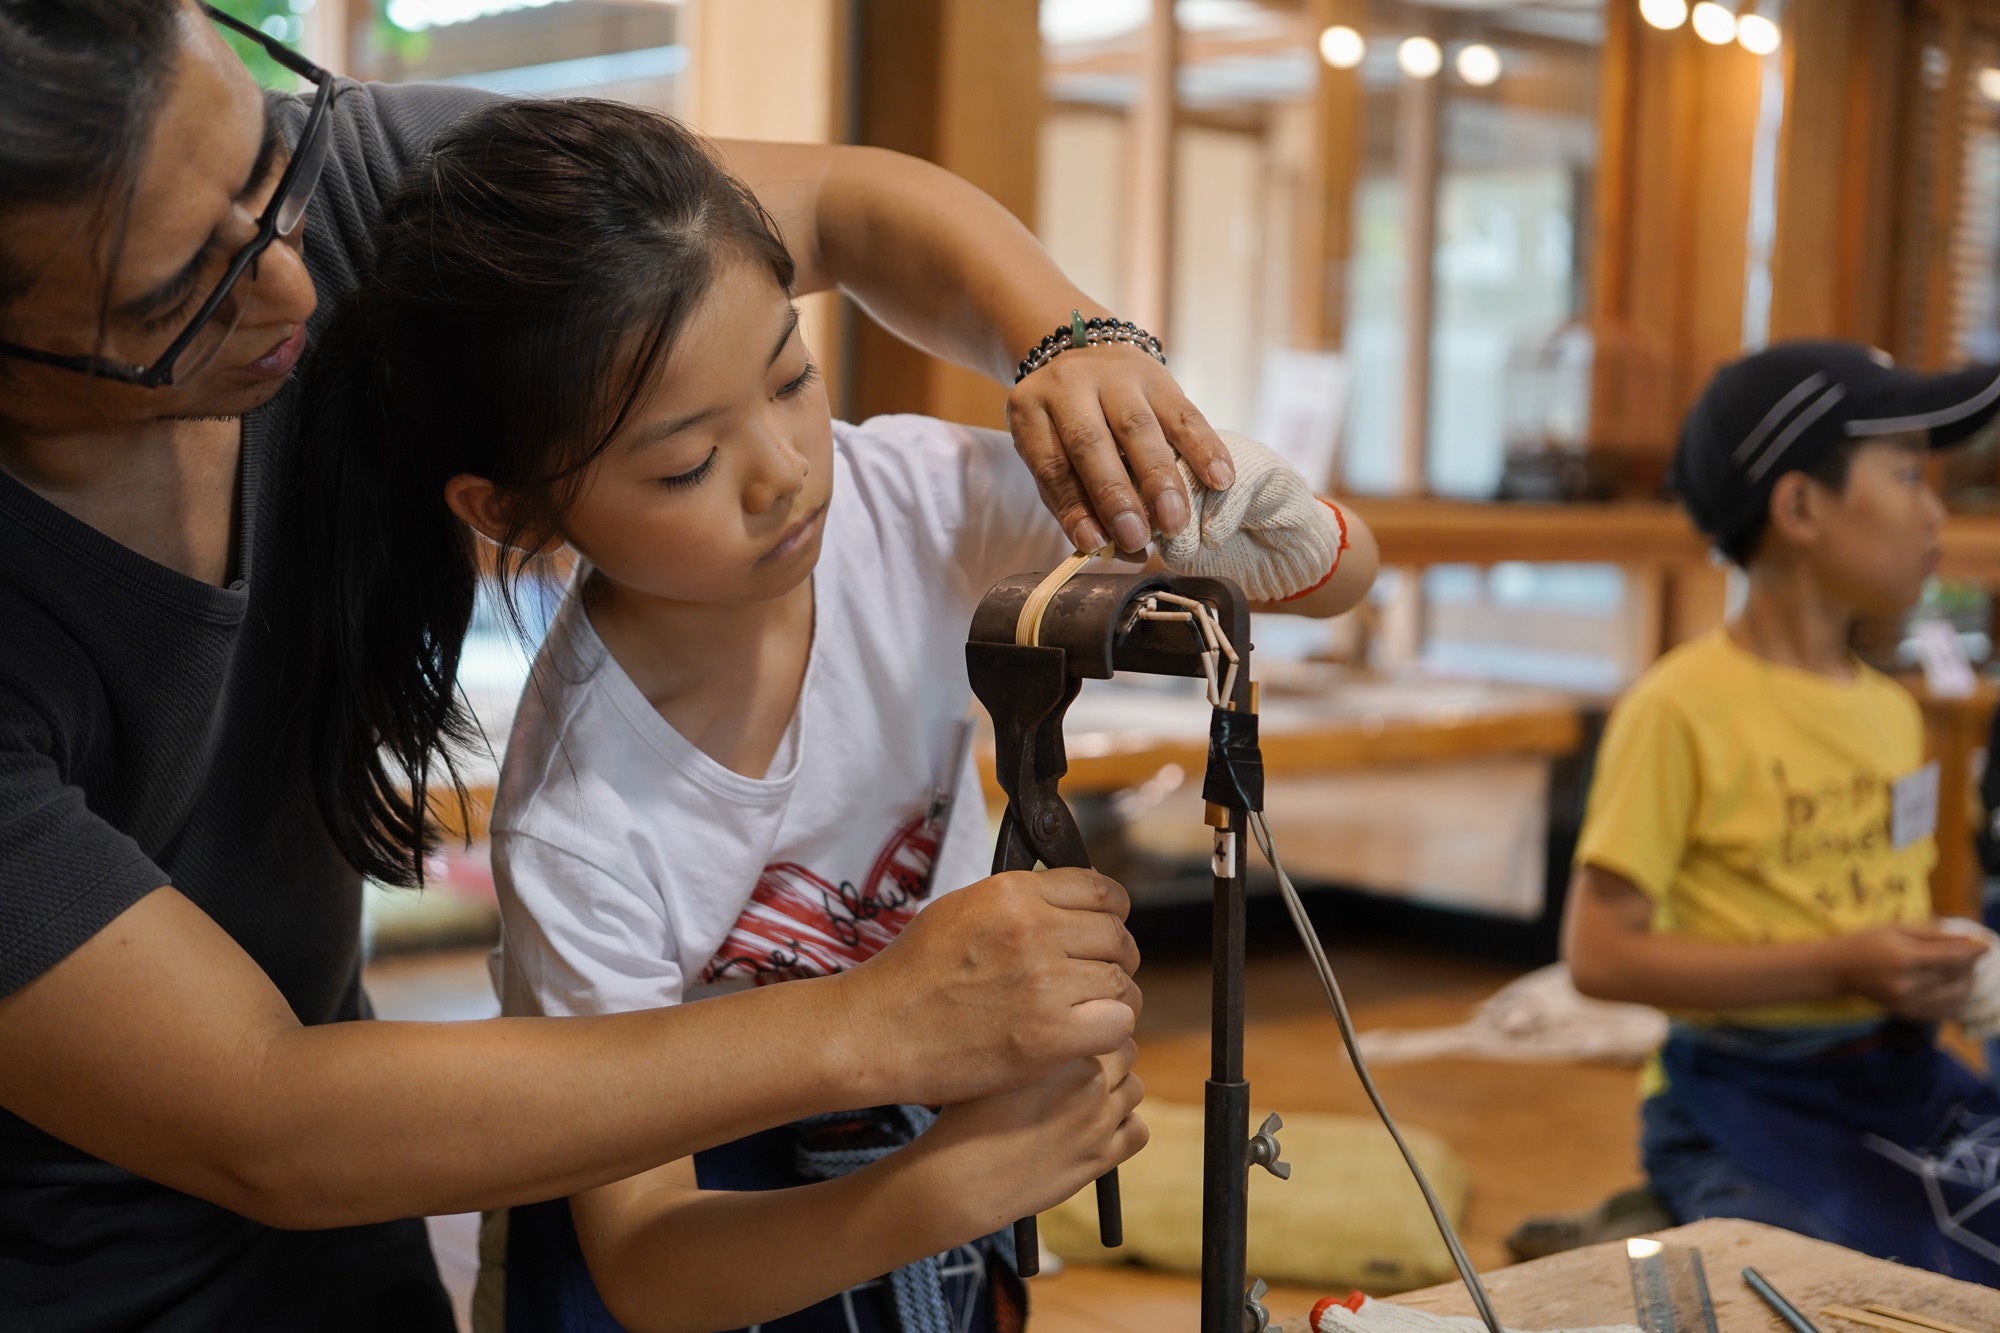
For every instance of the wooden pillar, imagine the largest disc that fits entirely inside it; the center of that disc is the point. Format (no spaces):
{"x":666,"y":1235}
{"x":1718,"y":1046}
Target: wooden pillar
{"x":1933,"y":342}
{"x":1324,"y":215}
{"x":1682,"y":241}
{"x":767,"y":69}
{"x":1418,"y":104}
{"x":740,"y":51}
{"x":958,"y":82}
{"x":1607,"y":304}
{"x":331,"y":29}
{"x":1149,"y":259}
{"x":1610,"y":237}
{"x":1831,"y":268}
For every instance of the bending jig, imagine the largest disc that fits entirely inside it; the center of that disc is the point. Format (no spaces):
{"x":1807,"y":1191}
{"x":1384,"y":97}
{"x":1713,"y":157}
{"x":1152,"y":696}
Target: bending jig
{"x":1035,"y":639}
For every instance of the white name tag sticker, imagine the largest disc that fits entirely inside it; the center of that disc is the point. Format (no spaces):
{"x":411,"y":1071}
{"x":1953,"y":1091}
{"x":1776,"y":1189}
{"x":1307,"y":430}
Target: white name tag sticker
{"x":1913,"y":806}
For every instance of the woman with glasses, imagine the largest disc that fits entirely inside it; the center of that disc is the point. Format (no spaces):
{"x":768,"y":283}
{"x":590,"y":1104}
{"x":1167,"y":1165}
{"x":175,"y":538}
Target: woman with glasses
{"x":193,"y":1135}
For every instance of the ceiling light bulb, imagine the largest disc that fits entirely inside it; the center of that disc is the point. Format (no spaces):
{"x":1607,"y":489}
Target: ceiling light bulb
{"x":1664,"y":14}
{"x":1714,"y":24}
{"x":1478,"y":64}
{"x":1758,"y":34}
{"x":1419,"y":57}
{"x":1342,"y":47}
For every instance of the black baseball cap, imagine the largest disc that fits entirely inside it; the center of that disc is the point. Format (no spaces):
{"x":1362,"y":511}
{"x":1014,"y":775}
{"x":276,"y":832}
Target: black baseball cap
{"x":1789,"y":406}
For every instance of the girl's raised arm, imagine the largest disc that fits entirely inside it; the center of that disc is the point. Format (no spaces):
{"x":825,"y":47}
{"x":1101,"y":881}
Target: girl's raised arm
{"x":941,"y":264}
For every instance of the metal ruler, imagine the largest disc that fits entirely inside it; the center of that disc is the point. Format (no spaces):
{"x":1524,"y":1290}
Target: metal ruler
{"x":1669,"y":1288}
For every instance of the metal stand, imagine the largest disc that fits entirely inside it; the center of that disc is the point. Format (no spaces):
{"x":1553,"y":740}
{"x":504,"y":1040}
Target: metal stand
{"x":1091,"y":629}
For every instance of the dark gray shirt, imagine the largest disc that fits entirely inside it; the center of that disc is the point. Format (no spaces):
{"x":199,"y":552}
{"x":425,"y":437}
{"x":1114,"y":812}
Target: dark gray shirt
{"x":150,"y":734}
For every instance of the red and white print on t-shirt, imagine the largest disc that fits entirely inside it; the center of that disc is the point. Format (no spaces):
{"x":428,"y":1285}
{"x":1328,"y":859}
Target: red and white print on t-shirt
{"x":800,"y":925}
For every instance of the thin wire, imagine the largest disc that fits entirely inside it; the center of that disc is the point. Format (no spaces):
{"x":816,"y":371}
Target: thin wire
{"x":1310,"y":938}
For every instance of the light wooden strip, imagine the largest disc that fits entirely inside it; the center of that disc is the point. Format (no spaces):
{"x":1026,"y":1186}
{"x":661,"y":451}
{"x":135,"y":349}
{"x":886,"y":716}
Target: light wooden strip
{"x":1028,"y":626}
{"x":1876,"y":1307}
{"x":1853,"y":1315}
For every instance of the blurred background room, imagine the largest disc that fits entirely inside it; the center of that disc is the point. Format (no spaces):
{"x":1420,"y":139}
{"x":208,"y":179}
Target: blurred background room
{"x":1465,"y":262}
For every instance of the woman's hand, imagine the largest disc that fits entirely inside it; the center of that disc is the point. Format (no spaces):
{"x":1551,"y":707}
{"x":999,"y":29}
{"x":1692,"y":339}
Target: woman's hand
{"x":1019,"y":1153}
{"x":988,"y":988}
{"x":1100,"y":428}
{"x":1917,"y":972}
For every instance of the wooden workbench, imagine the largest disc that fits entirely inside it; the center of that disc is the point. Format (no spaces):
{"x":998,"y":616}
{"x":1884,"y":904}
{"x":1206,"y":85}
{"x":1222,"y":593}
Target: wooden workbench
{"x":1315,"y":718}
{"x":1593,"y":1285}
{"x":1419,"y":532}
{"x":1312,"y":721}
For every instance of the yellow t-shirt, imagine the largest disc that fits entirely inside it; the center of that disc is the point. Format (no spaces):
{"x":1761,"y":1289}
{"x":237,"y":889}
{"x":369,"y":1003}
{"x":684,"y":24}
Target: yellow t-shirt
{"x":1752,"y":802}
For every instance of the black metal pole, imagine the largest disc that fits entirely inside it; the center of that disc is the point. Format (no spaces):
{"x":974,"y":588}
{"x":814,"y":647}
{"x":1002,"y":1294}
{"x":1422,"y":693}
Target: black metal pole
{"x":1225,"y":1193}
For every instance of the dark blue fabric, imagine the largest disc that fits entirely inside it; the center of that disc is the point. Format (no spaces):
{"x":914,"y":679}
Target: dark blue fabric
{"x":549,"y":1288}
{"x":1884,"y":1143}
{"x":1696,"y":1179}
{"x":1989,"y":855}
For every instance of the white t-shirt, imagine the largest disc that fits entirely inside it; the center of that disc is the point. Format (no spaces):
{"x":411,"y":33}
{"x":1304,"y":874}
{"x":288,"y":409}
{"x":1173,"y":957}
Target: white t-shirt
{"x":635,"y":871}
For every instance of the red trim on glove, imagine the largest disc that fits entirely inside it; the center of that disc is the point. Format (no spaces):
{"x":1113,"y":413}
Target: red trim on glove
{"x":1338,"y":552}
{"x":1353,"y":1303}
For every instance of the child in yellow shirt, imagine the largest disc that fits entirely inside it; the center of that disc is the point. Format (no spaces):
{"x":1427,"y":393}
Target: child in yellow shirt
{"x":1756,"y":850}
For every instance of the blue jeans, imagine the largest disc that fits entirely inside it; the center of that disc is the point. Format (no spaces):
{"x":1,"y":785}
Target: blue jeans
{"x":1865,"y":1135}
{"x":1695,"y":1179}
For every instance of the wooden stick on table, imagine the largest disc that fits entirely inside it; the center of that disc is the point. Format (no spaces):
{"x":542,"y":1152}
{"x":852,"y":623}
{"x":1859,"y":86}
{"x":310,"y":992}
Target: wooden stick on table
{"x":1892,"y":1321}
{"x":1876,"y":1307}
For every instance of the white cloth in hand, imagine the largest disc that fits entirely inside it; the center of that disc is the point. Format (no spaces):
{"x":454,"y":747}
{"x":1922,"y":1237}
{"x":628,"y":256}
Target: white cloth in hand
{"x":1981,"y":1016}
{"x":1381,"y":1317}
{"x":1268,"y":532}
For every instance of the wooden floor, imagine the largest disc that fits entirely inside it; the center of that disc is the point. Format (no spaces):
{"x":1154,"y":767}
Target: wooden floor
{"x":1535,"y":1138}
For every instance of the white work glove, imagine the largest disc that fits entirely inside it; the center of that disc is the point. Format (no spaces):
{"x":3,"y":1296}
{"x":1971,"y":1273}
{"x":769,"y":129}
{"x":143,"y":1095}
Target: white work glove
{"x":1268,"y":532}
{"x":1381,"y":1317}
{"x":1981,"y":1016}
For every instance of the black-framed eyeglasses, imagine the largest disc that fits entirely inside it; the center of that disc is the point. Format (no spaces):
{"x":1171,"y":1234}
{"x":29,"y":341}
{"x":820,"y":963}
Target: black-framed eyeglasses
{"x":281,"y":218}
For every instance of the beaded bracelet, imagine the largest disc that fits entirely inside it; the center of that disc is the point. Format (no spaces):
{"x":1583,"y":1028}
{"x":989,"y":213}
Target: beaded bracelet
{"x":1081,"y":332}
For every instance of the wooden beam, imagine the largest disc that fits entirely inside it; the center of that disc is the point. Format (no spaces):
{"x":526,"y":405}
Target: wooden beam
{"x":1149,"y":260}
{"x":1419,"y":532}
{"x":1831,"y":265}
{"x":331,"y":31}
{"x":739,"y":51}
{"x":1329,"y":156}
{"x":1610,"y":234}
{"x":1686,"y":217}
{"x":1723,"y":116}
{"x":1293,"y":748}
{"x":1417,"y":111}
{"x":1124,"y":57}
{"x":1933,"y":338}
{"x":958,"y":82}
